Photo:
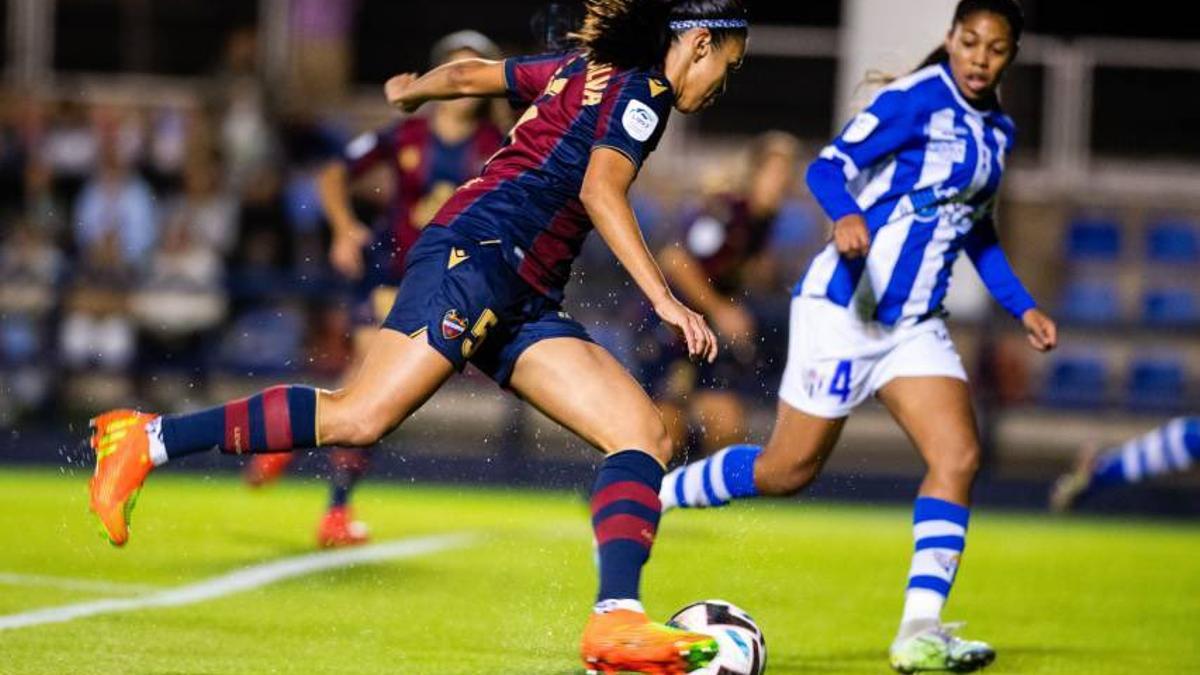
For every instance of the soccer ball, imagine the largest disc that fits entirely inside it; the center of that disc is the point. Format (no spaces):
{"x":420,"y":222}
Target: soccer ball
{"x":743,"y":648}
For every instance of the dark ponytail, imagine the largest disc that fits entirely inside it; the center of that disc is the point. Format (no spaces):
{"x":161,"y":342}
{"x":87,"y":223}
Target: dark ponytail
{"x":638,"y":33}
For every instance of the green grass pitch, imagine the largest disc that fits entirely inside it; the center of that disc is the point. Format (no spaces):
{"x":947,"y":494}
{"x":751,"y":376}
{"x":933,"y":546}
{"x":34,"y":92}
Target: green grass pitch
{"x":1053,"y":596}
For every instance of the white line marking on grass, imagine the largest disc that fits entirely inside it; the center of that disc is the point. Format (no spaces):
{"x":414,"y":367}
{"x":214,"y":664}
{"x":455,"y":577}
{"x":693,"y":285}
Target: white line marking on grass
{"x":75,"y":584}
{"x":245,"y":579}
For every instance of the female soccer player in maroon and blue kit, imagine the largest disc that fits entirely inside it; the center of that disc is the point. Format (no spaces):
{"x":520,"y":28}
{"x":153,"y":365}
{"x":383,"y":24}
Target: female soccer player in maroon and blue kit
{"x":427,"y":158}
{"x":484,"y":284}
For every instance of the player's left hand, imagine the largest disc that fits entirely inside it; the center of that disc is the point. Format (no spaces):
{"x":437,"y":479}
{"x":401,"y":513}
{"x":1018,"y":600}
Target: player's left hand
{"x":396,"y":87}
{"x":701,"y":342}
{"x":1041,"y":329}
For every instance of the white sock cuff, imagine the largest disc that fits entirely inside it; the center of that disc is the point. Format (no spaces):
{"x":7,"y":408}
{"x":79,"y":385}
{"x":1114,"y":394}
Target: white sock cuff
{"x":613,"y":605}
{"x":158,"y":451}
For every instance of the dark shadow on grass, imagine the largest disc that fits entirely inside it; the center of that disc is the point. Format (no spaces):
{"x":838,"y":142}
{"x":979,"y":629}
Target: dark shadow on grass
{"x":1091,"y":653}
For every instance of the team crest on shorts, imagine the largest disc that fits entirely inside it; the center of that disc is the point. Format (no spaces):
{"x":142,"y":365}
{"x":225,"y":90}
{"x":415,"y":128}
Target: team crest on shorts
{"x":453,"y":325}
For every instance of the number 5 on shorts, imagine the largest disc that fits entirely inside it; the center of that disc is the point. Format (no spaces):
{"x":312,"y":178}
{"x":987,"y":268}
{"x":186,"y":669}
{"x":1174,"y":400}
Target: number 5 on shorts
{"x":478,"y":332}
{"x":840,"y":384}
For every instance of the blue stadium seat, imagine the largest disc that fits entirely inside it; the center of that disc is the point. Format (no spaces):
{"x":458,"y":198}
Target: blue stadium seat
{"x":1076,"y":381}
{"x":1157,"y":384}
{"x":1173,"y":242}
{"x":1171,"y":306}
{"x":1094,"y":301}
{"x":1093,"y":239}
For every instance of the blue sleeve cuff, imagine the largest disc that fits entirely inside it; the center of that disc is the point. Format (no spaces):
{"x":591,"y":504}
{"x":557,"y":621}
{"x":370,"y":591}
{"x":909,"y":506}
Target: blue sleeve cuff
{"x":827,"y":182}
{"x":983,"y":247}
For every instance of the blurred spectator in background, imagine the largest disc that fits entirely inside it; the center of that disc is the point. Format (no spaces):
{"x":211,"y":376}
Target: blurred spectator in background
{"x":114,"y":229}
{"x":723,"y":265}
{"x":243,"y":110}
{"x":263,"y":253}
{"x":182,"y":297}
{"x":30,"y":269}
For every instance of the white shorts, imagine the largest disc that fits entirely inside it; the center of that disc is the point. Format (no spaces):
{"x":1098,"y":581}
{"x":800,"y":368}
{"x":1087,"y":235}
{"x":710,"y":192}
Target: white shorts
{"x":836,"y":360}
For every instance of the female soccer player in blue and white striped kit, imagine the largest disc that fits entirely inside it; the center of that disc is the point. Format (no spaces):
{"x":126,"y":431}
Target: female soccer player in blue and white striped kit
{"x":909,"y":183}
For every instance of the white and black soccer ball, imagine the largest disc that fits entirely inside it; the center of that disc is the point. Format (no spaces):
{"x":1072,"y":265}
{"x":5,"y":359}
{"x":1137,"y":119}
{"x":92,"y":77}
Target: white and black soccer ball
{"x":743,"y":648}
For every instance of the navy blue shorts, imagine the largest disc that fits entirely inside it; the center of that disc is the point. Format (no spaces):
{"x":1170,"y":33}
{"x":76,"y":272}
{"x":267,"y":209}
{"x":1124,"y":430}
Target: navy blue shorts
{"x":472,"y":306}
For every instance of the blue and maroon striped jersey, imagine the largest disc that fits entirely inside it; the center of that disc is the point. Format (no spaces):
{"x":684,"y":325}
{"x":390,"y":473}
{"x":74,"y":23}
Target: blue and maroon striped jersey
{"x":425,"y":171}
{"x":527,"y":198}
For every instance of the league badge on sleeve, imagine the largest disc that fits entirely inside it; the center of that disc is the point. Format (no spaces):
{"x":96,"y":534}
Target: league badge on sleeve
{"x":863,"y":124}
{"x":453,"y":324}
{"x":639,"y":120}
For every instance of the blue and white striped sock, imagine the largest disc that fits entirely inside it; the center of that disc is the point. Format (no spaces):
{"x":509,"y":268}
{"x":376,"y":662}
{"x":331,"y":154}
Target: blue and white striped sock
{"x":714,"y":481}
{"x":940,"y":533}
{"x":1168,"y":449}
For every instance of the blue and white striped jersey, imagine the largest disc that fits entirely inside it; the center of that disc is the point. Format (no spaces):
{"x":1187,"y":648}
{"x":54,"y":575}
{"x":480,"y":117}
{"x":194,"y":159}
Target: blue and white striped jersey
{"x":923,"y":166}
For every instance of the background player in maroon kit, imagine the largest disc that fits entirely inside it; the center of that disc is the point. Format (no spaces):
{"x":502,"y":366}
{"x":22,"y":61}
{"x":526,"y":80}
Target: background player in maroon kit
{"x":484,"y":285}
{"x":427,"y":157}
{"x":721,"y":256}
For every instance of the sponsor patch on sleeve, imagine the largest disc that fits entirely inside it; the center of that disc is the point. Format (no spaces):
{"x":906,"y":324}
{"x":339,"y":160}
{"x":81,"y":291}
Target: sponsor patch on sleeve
{"x":639,"y":120}
{"x":863,"y":124}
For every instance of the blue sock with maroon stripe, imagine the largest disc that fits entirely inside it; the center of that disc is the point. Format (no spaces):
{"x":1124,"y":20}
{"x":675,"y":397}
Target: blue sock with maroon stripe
{"x":277,"y":419}
{"x":625,"y":513}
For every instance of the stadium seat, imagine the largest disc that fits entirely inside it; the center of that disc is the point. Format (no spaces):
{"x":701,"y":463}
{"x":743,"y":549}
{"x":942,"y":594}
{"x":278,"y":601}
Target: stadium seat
{"x":1078,"y":380}
{"x":1173,"y":242}
{"x":1171,"y":306}
{"x":1094,"y":301}
{"x":1157,"y":384}
{"x":1093,"y":239}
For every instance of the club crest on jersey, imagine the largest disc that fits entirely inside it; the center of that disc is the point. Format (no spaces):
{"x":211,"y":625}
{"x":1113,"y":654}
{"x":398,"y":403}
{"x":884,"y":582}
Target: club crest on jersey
{"x":639,"y":120}
{"x":947,"y":561}
{"x":453,"y":324}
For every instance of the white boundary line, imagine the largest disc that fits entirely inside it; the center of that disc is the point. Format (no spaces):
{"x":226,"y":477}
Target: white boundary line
{"x":75,"y":584}
{"x":245,"y":579}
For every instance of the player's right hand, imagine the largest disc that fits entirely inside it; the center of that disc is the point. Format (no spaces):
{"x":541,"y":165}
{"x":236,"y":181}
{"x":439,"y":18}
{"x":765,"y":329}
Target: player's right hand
{"x":346,"y":250}
{"x":701,"y":342}
{"x":851,"y":236}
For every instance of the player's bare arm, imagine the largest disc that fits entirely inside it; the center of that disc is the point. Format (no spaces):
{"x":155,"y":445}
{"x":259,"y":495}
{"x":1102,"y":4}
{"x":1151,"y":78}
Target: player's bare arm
{"x":458,"y":79}
{"x":605,"y":196}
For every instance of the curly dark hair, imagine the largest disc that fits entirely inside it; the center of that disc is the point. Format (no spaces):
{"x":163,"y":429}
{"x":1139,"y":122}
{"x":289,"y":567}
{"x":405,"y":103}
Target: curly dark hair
{"x":638,"y":33}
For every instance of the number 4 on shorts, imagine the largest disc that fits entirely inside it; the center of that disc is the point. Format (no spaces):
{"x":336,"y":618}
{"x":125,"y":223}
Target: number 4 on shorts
{"x":840,"y":384}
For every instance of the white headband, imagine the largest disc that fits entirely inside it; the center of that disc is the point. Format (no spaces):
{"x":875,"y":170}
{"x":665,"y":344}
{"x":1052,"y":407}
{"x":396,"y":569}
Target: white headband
{"x":688,"y":24}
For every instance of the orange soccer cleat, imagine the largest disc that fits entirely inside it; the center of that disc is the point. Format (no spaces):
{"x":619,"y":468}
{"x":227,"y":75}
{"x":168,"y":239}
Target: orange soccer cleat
{"x":338,"y":528}
{"x":625,"y":640}
{"x":267,"y":467}
{"x":122,"y":449}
